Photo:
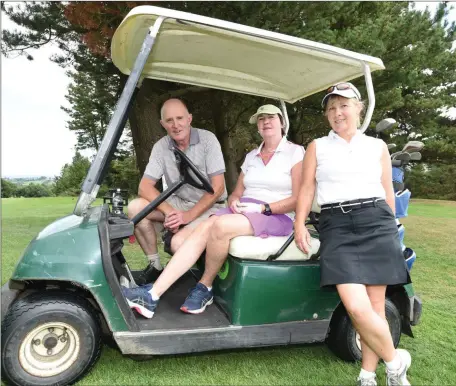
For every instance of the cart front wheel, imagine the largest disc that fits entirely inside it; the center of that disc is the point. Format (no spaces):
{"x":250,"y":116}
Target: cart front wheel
{"x":49,"y":339}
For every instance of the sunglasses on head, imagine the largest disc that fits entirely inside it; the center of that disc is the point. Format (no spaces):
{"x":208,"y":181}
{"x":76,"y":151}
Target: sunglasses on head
{"x":341,"y":87}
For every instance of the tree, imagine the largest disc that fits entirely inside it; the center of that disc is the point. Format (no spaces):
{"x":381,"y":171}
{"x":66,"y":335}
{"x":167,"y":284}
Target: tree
{"x":419,"y":80}
{"x":92,"y":98}
{"x":33,"y":190}
{"x":72,"y":176}
{"x":8,"y":188}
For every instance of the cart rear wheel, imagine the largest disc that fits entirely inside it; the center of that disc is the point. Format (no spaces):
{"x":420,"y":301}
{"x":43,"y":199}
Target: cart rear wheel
{"x":51,"y":338}
{"x":343,"y":339}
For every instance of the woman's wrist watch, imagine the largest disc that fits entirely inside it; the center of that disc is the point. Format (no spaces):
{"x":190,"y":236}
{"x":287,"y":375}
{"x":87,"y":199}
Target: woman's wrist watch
{"x":267,"y":210}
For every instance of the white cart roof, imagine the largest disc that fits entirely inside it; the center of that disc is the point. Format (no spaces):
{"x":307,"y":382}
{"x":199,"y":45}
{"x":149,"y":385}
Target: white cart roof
{"x":213,"y":53}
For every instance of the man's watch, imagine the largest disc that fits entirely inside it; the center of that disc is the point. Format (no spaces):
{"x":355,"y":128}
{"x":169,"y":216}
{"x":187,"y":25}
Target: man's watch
{"x":267,"y":210}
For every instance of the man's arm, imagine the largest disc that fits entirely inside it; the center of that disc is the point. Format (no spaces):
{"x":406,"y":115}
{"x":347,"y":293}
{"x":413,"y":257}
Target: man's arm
{"x":149,"y":192}
{"x":176,"y":218}
{"x":208,"y":200}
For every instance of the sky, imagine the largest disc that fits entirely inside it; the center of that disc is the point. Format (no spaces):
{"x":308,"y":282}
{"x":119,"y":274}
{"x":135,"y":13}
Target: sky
{"x":35,"y":140}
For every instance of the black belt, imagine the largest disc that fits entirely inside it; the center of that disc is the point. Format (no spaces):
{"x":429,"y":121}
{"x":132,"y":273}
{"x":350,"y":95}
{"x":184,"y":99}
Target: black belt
{"x":348,"y":206}
{"x":220,"y":202}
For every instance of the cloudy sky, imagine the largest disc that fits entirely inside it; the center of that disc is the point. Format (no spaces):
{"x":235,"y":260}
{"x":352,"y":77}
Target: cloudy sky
{"x":35,"y":140}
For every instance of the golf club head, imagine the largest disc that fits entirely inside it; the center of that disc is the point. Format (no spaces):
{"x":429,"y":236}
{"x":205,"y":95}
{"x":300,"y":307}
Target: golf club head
{"x":385,"y":124}
{"x":413,"y":146}
{"x":391,"y":146}
{"x":402,"y":156}
{"x":396,"y":162}
{"x":395,"y":154}
{"x":415,"y":156}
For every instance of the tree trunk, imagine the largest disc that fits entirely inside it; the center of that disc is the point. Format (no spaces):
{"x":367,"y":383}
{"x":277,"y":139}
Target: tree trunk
{"x":144,"y":118}
{"x":221,"y":131}
{"x":231,"y":174}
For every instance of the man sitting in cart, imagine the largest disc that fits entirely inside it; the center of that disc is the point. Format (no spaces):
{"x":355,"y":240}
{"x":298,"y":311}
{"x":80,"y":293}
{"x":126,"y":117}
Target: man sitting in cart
{"x":185,"y":209}
{"x":262,"y":204}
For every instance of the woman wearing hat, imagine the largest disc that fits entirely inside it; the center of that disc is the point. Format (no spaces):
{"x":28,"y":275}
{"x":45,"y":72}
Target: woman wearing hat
{"x":360,"y":248}
{"x":262,"y":204}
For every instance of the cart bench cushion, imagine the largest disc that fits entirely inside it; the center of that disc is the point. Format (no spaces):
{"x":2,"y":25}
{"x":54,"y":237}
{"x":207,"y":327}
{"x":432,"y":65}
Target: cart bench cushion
{"x":257,"y":248}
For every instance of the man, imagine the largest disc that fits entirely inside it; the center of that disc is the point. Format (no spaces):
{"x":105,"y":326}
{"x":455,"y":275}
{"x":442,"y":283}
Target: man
{"x":188,"y":206}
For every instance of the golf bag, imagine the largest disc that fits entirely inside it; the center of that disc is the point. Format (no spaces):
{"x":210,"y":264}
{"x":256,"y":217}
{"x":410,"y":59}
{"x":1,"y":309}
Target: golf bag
{"x":402,"y":198}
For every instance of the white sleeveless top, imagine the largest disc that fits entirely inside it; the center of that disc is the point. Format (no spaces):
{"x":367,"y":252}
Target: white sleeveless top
{"x":348,"y":170}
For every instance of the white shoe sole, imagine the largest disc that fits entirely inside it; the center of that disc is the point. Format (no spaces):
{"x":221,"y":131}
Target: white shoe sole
{"x":199,"y":311}
{"x":140,"y":309}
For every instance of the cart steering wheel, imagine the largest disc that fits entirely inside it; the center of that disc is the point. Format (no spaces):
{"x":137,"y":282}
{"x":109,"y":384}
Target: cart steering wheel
{"x":189,"y":171}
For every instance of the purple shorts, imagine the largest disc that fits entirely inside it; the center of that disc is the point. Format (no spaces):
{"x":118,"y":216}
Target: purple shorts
{"x":264,"y":226}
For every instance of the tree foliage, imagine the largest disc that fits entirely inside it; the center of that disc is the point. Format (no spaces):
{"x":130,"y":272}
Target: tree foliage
{"x":419,"y":80}
{"x":92,"y":98}
{"x":33,"y":190}
{"x":8,"y":188}
{"x":72,"y":176}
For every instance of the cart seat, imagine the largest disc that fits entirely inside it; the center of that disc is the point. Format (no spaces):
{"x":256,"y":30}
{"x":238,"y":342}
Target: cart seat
{"x":257,"y":248}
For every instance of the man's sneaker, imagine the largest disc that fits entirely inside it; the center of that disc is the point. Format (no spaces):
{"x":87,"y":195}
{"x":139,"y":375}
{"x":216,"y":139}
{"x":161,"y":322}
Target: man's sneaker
{"x":140,"y":300}
{"x":147,"y":275}
{"x":198,"y":299}
{"x":366,"y":381}
{"x":399,"y":377}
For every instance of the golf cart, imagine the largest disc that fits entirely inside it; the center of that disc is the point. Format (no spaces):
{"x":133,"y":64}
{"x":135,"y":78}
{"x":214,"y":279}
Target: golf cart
{"x":65,"y":292}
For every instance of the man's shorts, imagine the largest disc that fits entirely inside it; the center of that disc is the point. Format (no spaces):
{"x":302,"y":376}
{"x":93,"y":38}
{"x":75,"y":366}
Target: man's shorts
{"x":180,"y":204}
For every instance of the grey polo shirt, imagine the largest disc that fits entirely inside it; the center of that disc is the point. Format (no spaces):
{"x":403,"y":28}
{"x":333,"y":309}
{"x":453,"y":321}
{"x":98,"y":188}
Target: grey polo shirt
{"x":204,"y":151}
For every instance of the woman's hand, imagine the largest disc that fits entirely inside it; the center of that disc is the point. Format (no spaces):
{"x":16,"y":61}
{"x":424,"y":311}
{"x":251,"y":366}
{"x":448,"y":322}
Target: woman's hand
{"x":234,"y":206}
{"x":250,"y":207}
{"x":302,"y":238}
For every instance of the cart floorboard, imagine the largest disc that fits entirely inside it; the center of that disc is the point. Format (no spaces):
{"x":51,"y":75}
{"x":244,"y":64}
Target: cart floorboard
{"x":168,"y":315}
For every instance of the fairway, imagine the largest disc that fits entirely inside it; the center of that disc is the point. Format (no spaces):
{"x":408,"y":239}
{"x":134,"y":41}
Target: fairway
{"x":430,"y":231}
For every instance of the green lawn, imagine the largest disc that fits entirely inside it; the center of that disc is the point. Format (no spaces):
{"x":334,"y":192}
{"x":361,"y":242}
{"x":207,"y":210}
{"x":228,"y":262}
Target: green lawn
{"x":430,"y":230}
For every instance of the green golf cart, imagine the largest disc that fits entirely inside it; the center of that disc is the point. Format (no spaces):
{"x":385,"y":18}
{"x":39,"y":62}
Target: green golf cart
{"x":64,"y":296}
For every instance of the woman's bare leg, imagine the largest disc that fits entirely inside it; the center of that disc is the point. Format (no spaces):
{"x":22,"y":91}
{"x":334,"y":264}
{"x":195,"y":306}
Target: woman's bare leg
{"x":187,"y":255}
{"x":371,"y":327}
{"x":218,"y":244}
{"x":377,"y":299}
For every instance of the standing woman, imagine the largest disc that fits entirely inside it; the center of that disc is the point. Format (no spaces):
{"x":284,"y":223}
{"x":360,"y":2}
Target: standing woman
{"x":360,"y":248}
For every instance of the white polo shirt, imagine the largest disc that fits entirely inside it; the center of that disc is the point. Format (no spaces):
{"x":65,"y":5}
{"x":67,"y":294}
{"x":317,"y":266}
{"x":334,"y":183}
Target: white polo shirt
{"x":348,"y":170}
{"x":271,"y":182}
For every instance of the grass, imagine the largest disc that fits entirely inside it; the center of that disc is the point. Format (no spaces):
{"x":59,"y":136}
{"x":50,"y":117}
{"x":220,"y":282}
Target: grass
{"x":430,"y":230}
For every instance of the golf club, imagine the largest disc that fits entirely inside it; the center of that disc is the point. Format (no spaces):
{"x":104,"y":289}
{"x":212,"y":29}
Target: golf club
{"x":385,"y":124}
{"x":413,"y":146}
{"x":415,"y":156}
{"x":391,"y":146}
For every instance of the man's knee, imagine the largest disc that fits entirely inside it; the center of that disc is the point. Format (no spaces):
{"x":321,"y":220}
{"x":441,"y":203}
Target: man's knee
{"x":135,"y":206}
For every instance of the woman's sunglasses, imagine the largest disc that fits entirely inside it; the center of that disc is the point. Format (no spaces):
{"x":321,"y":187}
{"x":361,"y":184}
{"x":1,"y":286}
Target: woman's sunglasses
{"x":343,"y":86}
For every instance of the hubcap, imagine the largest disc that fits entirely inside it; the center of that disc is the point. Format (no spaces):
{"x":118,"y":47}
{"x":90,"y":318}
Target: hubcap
{"x":358,"y":341}
{"x":49,"y":349}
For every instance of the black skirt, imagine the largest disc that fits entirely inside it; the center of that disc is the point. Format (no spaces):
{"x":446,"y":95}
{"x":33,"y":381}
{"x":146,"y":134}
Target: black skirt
{"x":361,"y":247}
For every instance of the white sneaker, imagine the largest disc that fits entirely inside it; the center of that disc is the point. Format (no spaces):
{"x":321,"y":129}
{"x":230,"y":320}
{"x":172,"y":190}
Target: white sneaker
{"x":399,"y":377}
{"x":366,"y":381}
